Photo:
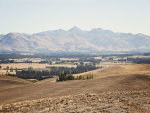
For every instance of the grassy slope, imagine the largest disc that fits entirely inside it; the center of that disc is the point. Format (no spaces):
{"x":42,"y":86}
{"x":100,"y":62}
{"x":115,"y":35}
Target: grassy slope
{"x":133,"y":80}
{"x":5,"y":77}
{"x":117,"y":70}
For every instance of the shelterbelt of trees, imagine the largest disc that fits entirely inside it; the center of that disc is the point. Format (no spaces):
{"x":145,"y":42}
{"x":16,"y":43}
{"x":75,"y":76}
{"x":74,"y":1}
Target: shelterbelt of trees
{"x":55,"y":71}
{"x":65,"y":76}
{"x":140,"y":60}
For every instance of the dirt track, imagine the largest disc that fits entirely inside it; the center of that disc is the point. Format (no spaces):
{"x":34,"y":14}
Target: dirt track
{"x":48,"y":89}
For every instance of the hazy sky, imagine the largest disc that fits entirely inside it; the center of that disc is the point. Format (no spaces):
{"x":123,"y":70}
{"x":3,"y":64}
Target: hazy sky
{"x":33,"y":16}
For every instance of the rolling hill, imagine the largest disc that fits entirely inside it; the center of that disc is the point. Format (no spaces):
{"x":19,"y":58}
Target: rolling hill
{"x":115,"y":78}
{"x":119,"y":70}
{"x":114,"y":89}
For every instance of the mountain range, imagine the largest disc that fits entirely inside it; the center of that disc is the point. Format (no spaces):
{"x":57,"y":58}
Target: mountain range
{"x":74,"y":39}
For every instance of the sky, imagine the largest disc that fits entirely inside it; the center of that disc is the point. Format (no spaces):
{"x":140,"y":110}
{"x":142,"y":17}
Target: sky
{"x":33,"y":16}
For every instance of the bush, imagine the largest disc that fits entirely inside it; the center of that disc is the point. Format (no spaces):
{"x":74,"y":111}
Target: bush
{"x":90,"y":77}
{"x":70,"y":77}
{"x":64,"y":77}
{"x":80,"y":77}
{"x":32,"y":80}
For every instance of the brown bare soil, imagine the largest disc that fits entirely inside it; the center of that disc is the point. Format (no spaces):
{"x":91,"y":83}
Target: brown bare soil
{"x":107,"y":102}
{"x":122,"y":83}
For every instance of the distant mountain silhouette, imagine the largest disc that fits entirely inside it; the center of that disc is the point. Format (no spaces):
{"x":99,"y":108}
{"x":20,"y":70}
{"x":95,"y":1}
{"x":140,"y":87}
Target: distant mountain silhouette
{"x":74,"y":39}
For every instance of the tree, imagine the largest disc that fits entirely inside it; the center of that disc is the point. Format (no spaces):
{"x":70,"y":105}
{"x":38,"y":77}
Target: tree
{"x":15,"y":69}
{"x":11,"y":69}
{"x":65,"y":72}
{"x":64,"y":76}
{"x":92,"y":76}
{"x":87,"y":76}
{"x":70,"y":77}
{"x":81,"y":63}
{"x":30,"y":68}
{"x":50,"y":62}
{"x":7,"y":68}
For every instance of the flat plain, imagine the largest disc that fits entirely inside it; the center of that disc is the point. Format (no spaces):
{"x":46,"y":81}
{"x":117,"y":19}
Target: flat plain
{"x":33,"y":65}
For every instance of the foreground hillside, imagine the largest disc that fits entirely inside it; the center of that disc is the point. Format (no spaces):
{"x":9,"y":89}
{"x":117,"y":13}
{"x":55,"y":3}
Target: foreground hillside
{"x":123,"y":94}
{"x":107,"y":102}
{"x":116,"y":93}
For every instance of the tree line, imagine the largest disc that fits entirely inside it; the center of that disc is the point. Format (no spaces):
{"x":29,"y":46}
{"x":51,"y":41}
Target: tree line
{"x":139,"y":60}
{"x":55,"y":71}
{"x":65,"y":76}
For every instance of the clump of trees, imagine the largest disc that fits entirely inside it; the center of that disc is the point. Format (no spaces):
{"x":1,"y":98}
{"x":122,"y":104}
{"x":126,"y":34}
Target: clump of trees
{"x":80,"y":77}
{"x":139,"y":60}
{"x":90,"y":77}
{"x":94,"y":61}
{"x":64,"y":76}
{"x":32,"y":74}
{"x":72,"y":70}
{"x":83,"y":77}
{"x":6,"y":61}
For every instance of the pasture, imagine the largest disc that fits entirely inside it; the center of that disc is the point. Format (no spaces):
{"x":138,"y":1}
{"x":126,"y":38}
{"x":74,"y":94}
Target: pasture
{"x":33,"y":65}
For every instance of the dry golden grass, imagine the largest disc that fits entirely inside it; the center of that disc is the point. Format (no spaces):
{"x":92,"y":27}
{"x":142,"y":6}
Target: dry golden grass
{"x":34,"y":65}
{"x":63,"y":65}
{"x":97,"y":57}
{"x":111,"y":63}
{"x":3,"y":72}
{"x":115,"y":78}
{"x":119,"y":70}
{"x":24,"y":65}
{"x":5,"y":77}
{"x":69,"y":59}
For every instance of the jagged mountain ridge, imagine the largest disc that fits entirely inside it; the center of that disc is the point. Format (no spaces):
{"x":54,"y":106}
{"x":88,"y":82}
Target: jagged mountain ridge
{"x":74,"y":39}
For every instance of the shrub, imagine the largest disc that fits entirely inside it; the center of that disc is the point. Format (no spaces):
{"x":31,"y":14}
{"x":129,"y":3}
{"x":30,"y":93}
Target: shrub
{"x":64,"y":77}
{"x":90,"y":77}
{"x":32,"y":80}
{"x":81,"y":77}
